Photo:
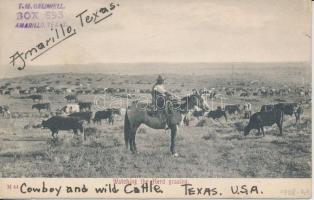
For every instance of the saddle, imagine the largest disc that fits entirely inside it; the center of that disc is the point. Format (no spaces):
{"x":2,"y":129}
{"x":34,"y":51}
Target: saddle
{"x":162,"y":110}
{"x":154,"y":110}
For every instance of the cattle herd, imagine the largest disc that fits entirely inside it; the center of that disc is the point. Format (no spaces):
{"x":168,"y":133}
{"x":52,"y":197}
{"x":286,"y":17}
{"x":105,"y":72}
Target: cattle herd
{"x":74,"y":112}
{"x":71,"y":116}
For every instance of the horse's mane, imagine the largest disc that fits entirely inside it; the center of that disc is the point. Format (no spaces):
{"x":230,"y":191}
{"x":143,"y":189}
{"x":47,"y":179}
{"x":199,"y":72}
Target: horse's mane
{"x":185,"y":99}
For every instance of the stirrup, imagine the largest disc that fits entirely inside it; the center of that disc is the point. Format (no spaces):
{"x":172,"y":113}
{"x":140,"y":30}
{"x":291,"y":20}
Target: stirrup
{"x":166,"y":128}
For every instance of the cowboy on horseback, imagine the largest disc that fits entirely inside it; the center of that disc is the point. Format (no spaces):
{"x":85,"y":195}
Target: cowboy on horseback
{"x":168,"y":114}
{"x":159,"y":94}
{"x":162,"y":101}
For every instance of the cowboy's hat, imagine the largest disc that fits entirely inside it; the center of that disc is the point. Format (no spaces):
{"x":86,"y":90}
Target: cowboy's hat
{"x":160,"y":78}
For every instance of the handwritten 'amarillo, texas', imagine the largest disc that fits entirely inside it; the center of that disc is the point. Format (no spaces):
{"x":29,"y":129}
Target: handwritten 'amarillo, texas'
{"x":60,"y":34}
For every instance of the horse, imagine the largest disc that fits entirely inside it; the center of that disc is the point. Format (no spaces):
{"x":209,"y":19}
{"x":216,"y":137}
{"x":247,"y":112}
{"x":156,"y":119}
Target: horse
{"x":138,"y":113}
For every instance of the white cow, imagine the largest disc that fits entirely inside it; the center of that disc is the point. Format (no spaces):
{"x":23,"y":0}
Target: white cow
{"x":71,"y":108}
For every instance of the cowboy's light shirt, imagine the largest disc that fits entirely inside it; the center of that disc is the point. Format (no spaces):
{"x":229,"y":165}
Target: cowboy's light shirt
{"x":160,"y":88}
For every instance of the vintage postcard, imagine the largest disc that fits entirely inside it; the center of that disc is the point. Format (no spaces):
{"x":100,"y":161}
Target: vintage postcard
{"x":155,"y":99}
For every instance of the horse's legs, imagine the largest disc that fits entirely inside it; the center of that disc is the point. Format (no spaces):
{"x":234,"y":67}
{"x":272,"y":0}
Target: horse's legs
{"x":263,"y":131}
{"x":132,"y":138}
{"x":173,"y":136}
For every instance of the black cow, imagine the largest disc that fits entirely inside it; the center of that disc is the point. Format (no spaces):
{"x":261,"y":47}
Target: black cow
{"x":244,"y":94}
{"x":86,"y":116}
{"x":232,"y":109}
{"x":287,"y":108}
{"x":85,"y":105}
{"x":71,"y":97}
{"x":198,"y":114}
{"x":57,"y":123}
{"x":35,"y":97}
{"x":230,"y":93}
{"x":268,"y":118}
{"x":104,"y":114}
{"x":216,"y":114}
{"x":41,"y":106}
{"x":267,"y":108}
{"x":58,"y":91}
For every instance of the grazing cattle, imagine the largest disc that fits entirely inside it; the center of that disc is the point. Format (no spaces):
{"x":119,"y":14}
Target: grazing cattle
{"x":57,"y":123}
{"x":41,"y":106}
{"x":99,"y":91}
{"x":88,"y":91}
{"x":104,"y":114}
{"x":232,"y":109}
{"x":70,"y":108}
{"x":287,"y":108}
{"x":79,"y":92}
{"x":51,"y":89}
{"x":85,"y":105}
{"x":24,"y":92}
{"x":229,"y":93}
{"x":71,"y":97}
{"x":4,"y":110}
{"x":111,"y":90}
{"x":8,"y":92}
{"x":244,"y":94}
{"x":41,"y":89}
{"x":35,"y":97}
{"x":198,"y":114}
{"x":267,"y":108}
{"x":86,"y":116}
{"x":216,"y":114}
{"x":267,"y":118}
{"x":58,"y":91}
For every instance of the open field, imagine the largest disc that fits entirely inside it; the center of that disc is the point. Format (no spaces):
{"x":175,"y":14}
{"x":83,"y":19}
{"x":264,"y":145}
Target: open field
{"x":206,"y":148}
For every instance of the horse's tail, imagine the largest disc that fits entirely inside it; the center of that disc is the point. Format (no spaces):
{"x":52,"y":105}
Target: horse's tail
{"x":127,"y":127}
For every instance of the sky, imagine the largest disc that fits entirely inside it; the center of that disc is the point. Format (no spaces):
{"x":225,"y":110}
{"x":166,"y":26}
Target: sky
{"x":169,"y":31}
